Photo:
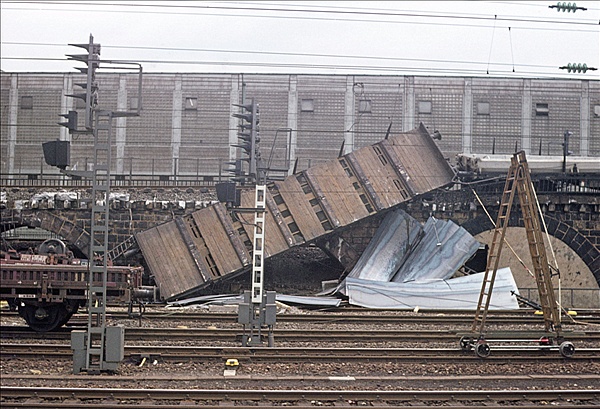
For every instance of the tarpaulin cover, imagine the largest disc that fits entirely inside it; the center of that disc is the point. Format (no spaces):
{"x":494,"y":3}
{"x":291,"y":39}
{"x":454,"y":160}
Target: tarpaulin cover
{"x":389,"y":247}
{"x":403,"y":250}
{"x":443,"y":249}
{"x":456,"y":293}
{"x":408,"y":265}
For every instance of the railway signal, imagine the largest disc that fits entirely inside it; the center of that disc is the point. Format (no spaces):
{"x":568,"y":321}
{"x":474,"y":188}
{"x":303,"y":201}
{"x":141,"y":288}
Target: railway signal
{"x":92,"y":60}
{"x":249,"y":136}
{"x":101,"y":347}
{"x":71,"y":123}
{"x":57,"y":153}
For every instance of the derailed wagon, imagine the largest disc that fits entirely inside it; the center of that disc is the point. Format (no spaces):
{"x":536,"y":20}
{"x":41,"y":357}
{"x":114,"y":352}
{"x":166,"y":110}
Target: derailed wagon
{"x":193,"y":251}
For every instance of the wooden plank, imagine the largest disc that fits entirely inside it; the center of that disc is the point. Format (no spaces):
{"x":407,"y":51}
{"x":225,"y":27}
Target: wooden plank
{"x":232,"y":233}
{"x":387,"y":146}
{"x":217,"y":241}
{"x":300,"y":208}
{"x":275,"y":240}
{"x":422,"y":159}
{"x":194,"y":253}
{"x":381,"y":176}
{"x":316,"y":188}
{"x":247,"y":200}
{"x":337,"y":188}
{"x":280,"y":221}
{"x":366,"y":184}
{"x":404,"y":147}
{"x":184,"y":272}
{"x":161,"y":246}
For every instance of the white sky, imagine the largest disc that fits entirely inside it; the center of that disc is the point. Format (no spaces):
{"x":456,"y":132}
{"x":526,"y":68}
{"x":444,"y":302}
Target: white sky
{"x":360,"y":37}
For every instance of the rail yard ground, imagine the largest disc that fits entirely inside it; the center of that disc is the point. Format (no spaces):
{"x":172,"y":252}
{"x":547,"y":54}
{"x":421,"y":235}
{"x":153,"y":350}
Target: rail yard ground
{"x":523,"y":370}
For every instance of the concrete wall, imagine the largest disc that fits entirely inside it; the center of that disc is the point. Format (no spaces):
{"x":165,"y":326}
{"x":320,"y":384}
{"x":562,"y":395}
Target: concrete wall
{"x":186,"y":125}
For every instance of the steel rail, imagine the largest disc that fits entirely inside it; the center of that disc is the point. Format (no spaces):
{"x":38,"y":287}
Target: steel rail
{"x":286,"y":354}
{"x":330,"y":396}
{"x":439,"y":317}
{"x":292,"y":335}
{"x":442,"y":317}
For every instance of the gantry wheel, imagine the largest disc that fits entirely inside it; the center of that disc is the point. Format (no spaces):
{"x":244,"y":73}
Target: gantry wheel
{"x":465,"y":343}
{"x":567,"y":349}
{"x":482,"y":349}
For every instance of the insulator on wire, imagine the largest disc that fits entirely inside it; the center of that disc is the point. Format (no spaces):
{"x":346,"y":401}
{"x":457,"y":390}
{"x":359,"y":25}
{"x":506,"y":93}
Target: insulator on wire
{"x":578,"y":68}
{"x":568,"y":7}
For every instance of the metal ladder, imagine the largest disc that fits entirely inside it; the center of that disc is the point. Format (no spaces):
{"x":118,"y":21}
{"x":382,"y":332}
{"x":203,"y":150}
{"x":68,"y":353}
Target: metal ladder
{"x":96,"y":331}
{"x":121,"y":248}
{"x":533,"y":229}
{"x":519,"y":180}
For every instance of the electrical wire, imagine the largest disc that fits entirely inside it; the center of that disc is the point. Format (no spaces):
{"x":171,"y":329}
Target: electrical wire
{"x":336,"y":13}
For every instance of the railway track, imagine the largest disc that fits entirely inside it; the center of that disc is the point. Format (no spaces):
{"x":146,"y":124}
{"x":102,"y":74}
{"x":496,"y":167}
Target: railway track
{"x":109,"y":398}
{"x":358,"y":316}
{"x":286,"y":335}
{"x":353,"y":316}
{"x":289,"y":354}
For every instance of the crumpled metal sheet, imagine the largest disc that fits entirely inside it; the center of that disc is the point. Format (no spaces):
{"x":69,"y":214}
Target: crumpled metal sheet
{"x":408,"y":265}
{"x":456,"y":293}
{"x":402,"y":250}
{"x":389,"y":247}
{"x":443,"y":249}
{"x":233,"y":299}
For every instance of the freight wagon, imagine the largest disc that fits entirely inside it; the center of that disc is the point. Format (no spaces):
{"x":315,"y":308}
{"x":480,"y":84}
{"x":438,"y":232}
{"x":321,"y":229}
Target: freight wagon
{"x":204,"y":247}
{"x":48,"y":287}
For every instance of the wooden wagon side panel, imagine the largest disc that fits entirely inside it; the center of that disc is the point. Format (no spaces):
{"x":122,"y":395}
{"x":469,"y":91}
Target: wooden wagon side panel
{"x":381,"y":176}
{"x":303,"y":216}
{"x":342,"y":198}
{"x":169,"y":260}
{"x":218,"y":249}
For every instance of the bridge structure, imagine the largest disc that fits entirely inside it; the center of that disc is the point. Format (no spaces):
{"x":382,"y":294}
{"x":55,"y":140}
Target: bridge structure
{"x":571,"y":211}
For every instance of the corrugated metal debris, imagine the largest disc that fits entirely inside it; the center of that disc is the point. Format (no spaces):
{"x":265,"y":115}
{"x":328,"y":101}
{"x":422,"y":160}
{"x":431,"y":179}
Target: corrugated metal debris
{"x":407,"y":265}
{"x":456,"y":293}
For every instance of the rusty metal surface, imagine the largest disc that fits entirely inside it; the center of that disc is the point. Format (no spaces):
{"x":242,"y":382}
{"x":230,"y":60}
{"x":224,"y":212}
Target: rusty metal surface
{"x":302,"y":208}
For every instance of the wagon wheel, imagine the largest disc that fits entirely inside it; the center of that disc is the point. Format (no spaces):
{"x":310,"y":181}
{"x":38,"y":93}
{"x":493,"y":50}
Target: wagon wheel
{"x":45,"y":318}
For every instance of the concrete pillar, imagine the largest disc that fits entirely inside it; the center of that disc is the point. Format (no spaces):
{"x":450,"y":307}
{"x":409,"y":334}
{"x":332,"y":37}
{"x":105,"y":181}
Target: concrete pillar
{"x":467,"y":120}
{"x":292,"y":120}
{"x":584,"y":118}
{"x":408,"y":117}
{"x":349,"y":115}
{"x":526,"y":110}
{"x":13,"y":112}
{"x":234,"y":98}
{"x":176,"y":123}
{"x":121,"y":133}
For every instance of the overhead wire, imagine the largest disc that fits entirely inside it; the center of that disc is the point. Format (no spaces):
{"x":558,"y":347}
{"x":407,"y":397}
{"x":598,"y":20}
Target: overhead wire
{"x":336,"y":13}
{"x":312,"y":66}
